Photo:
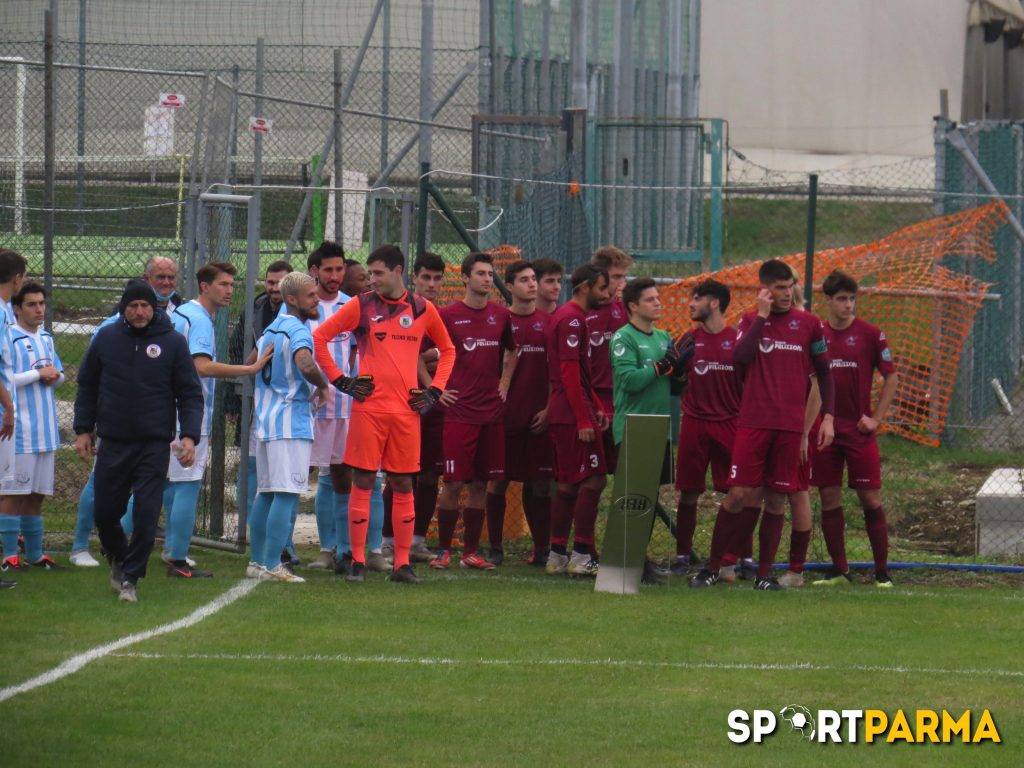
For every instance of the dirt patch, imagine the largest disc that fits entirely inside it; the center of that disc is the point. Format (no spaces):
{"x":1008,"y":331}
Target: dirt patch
{"x":941,"y":520}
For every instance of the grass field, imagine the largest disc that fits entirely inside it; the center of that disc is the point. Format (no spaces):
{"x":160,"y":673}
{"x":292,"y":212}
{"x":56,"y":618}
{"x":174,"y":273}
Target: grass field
{"x":509,"y":668}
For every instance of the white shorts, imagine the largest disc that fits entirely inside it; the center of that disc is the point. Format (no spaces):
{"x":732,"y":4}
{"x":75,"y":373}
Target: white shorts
{"x":33,"y":473}
{"x":179,"y":474}
{"x":7,"y":459}
{"x":329,"y":436}
{"x":282,"y":466}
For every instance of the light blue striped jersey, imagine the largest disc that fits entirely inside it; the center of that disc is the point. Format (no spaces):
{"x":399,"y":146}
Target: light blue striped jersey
{"x":196,"y":325}
{"x":37,"y":430}
{"x":342,"y":349}
{"x":283,"y":409}
{"x":6,"y":358}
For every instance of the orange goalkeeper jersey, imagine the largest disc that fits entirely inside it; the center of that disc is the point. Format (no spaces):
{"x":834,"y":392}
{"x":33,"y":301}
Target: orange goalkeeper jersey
{"x":388,"y":335}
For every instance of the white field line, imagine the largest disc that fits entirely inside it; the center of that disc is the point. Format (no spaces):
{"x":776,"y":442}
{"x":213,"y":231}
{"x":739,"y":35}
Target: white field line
{"x":78,"y":661}
{"x":441,"y":661}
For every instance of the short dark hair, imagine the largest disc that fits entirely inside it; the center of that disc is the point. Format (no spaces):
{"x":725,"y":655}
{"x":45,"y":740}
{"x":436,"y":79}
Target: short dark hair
{"x":475,"y":257}
{"x":352,"y":263}
{"x":715,"y":290}
{"x":429,"y":261}
{"x":391,"y":255}
{"x":278,"y":266}
{"x":586,"y":274}
{"x":543,"y":267}
{"x":512,"y":270}
{"x":209,"y":271}
{"x":774,"y":271}
{"x":12,"y":264}
{"x":838,"y":282}
{"x":26,"y":288}
{"x":634,"y":290}
{"x":328,"y":249}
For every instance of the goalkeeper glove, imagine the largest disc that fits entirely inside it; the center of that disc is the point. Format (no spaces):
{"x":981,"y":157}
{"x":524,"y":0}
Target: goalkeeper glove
{"x":357,"y":387}
{"x":683,"y":349}
{"x":423,"y":400}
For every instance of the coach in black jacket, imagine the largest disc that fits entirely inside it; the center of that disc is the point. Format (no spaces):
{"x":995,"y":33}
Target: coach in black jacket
{"x":137,"y":376}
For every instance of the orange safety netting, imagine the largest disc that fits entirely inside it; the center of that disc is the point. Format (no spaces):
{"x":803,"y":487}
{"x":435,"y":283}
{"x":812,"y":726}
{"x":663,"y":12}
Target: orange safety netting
{"x":925,"y":309}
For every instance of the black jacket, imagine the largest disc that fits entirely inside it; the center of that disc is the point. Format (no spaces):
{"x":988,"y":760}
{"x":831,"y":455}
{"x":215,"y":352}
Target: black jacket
{"x":132,"y":383}
{"x":264,"y":313}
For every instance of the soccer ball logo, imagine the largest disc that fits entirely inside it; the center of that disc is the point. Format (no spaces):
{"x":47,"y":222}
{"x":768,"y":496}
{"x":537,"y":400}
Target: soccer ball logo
{"x":469,"y":344}
{"x":799,"y":719}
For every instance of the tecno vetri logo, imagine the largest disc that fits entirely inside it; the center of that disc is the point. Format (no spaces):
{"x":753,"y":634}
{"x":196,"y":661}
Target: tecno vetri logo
{"x":855,"y":726}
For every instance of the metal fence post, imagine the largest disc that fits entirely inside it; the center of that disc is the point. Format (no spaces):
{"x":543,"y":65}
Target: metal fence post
{"x":812,"y":219}
{"x":716,"y":194}
{"x":49,"y":150}
{"x":578,"y":54}
{"x":337,"y":127}
{"x":80,"y":166}
{"x":385,"y":81}
{"x":426,"y":107}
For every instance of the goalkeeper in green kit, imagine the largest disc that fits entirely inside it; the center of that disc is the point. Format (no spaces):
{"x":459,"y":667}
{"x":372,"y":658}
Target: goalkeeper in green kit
{"x":646,"y":367}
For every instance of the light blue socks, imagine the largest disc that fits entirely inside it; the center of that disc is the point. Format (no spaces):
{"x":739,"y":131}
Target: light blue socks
{"x":280,"y":521}
{"x":32,"y":530}
{"x":181,"y":518}
{"x":86,"y":515}
{"x":324,"y":507}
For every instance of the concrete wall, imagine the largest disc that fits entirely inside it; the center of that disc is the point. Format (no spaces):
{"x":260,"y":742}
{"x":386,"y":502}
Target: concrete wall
{"x":837,"y":77}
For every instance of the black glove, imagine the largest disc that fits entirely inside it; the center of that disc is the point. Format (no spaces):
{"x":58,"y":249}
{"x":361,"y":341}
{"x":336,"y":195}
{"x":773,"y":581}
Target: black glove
{"x":682,"y":348}
{"x":423,"y":400}
{"x":357,"y":387}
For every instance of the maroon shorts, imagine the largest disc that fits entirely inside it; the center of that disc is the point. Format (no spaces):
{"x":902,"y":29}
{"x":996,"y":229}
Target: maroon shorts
{"x":473,"y":451}
{"x":857,"y":451}
{"x":528,"y":456}
{"x":431,"y":442}
{"x":768,"y":458}
{"x":575,"y":460}
{"x":701,"y":443}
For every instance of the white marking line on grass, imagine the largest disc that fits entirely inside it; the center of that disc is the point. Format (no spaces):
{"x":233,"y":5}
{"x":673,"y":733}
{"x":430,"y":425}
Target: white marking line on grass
{"x":75,"y":663}
{"x":440,"y":661}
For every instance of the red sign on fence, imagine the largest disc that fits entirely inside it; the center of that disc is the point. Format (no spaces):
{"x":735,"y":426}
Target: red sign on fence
{"x":262,"y":125}
{"x":172,"y":100}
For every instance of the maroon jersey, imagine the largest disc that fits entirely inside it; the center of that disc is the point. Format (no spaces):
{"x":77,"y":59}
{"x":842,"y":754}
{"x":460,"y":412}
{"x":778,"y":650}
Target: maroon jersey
{"x":775,"y":383}
{"x":713,"y":381}
{"x":855,"y":353}
{"x":567,"y":341}
{"x":528,"y":392}
{"x":602,"y":323}
{"x":480,"y":337}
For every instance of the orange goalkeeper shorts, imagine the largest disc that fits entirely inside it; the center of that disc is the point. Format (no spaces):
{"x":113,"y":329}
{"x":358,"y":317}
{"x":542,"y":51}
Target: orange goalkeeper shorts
{"x":388,"y":441}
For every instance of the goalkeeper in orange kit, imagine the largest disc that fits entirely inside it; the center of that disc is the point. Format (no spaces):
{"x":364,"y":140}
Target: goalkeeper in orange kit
{"x":389,"y":324}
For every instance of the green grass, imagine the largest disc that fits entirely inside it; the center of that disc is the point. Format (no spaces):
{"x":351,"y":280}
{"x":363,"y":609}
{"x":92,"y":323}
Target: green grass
{"x":544,"y":671}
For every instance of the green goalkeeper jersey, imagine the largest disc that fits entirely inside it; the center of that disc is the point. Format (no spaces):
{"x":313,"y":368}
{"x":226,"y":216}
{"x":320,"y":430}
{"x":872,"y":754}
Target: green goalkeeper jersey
{"x":638,"y":388}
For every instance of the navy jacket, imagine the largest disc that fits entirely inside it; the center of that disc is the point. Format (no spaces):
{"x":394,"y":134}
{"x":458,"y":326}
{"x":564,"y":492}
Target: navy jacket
{"x":132,"y":383}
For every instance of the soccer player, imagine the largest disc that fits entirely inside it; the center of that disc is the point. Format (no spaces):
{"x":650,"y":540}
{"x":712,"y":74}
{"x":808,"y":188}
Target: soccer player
{"x":194,"y":321}
{"x":857,"y":349}
{"x":602,"y":323}
{"x":161,"y":272}
{"x":37,"y":371}
{"x":644,"y":363}
{"x":265,"y":308}
{"x":779,"y":346}
{"x":710,"y":405}
{"x":12,"y":275}
{"x":576,"y":419}
{"x":284,"y":426}
{"x":474,"y":427}
{"x":428,"y":277}
{"x":389,"y":326}
{"x":549,"y":284}
{"x":356,"y":278}
{"x":528,"y":454}
{"x":334,"y":484}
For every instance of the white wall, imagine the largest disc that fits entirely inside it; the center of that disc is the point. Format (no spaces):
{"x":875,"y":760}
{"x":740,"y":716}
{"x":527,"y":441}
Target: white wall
{"x":833,"y":77}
